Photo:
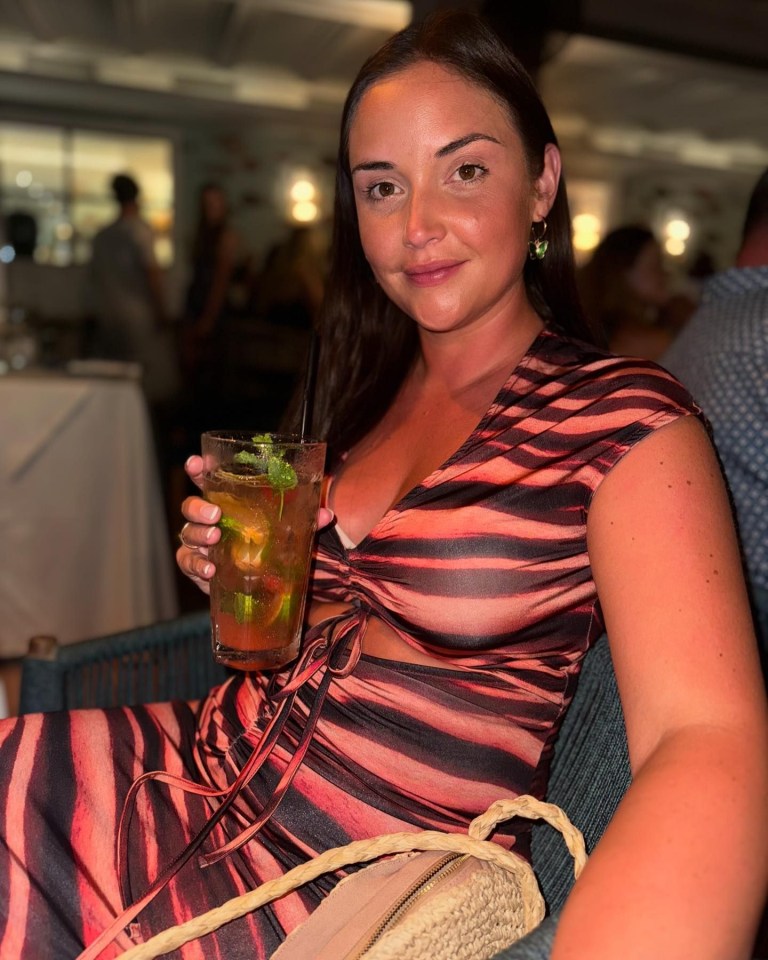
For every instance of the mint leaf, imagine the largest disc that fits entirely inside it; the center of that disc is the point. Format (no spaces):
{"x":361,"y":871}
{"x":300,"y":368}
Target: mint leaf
{"x":285,"y":608}
{"x":244,"y":607}
{"x":281,"y":475}
{"x":229,"y":527}
{"x":259,"y":462}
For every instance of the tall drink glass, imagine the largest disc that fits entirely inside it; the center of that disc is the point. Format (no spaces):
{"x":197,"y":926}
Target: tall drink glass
{"x":268,"y":488}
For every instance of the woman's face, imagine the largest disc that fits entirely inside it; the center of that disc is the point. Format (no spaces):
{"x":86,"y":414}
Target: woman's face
{"x":443,"y":197}
{"x":214,"y":205}
{"x":647,"y":276}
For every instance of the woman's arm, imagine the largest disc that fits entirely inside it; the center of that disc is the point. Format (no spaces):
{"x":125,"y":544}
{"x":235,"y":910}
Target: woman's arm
{"x":681,"y":870}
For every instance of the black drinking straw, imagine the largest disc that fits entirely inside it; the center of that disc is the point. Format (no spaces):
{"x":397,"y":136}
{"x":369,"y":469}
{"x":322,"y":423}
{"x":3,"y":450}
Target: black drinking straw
{"x":310,"y":375}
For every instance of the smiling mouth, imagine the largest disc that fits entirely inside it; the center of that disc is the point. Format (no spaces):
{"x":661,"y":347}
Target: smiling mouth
{"x":431,"y":274}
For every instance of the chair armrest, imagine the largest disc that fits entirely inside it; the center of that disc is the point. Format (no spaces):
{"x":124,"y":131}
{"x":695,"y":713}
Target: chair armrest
{"x":41,"y":685}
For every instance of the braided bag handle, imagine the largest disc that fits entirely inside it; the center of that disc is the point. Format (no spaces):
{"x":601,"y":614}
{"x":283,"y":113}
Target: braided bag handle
{"x":363,"y":851}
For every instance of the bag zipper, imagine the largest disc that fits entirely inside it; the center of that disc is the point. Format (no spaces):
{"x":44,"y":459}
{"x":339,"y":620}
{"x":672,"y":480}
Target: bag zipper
{"x":427,"y":881}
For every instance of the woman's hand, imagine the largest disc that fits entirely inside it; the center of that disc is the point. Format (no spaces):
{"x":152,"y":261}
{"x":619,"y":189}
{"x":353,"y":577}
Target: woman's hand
{"x":200,"y":532}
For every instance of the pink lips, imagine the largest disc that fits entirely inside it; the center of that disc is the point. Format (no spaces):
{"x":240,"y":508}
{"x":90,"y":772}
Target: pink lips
{"x":432,"y":274}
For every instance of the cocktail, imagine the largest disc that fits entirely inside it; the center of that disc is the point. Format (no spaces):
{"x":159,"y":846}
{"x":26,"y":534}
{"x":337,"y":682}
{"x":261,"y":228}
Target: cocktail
{"x":268,"y":488}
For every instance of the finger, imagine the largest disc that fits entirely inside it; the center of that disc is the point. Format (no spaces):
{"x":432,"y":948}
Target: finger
{"x":197,"y":510}
{"x":196,"y":566}
{"x":198,"y":535}
{"x":194,"y":469}
{"x":324,"y":517}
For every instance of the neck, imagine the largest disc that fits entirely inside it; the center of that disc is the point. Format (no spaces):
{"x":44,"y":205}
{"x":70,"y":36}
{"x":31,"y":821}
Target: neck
{"x":462,"y":358}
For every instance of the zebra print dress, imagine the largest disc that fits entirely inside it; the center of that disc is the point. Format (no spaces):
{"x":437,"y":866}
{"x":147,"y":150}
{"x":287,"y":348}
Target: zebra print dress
{"x":483,"y":565}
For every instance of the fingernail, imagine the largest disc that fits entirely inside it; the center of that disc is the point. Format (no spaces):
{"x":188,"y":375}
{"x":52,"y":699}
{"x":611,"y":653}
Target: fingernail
{"x":211,"y":512}
{"x":207,"y":570}
{"x":188,"y":460}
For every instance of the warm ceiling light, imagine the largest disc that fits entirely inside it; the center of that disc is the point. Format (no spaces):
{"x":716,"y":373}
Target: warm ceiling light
{"x":302,"y":191}
{"x":674,"y":246}
{"x":585,"y":241}
{"x":586,"y":231}
{"x":305,"y":211}
{"x":677,"y":229}
{"x":586,"y":223}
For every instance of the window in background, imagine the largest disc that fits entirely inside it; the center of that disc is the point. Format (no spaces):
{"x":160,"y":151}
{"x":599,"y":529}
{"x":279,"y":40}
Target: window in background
{"x":61,"y":178}
{"x":95,"y":159}
{"x":32,"y":185}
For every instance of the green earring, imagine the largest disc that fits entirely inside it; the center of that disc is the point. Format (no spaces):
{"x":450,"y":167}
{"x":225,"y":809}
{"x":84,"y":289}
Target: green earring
{"x":537,"y":245}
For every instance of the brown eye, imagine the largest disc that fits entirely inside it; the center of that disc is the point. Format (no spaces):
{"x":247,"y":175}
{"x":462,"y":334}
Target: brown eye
{"x":382,"y":190}
{"x":468,"y":171}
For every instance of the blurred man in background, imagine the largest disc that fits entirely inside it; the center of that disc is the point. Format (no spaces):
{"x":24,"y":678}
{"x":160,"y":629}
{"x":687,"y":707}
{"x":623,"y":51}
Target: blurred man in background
{"x":722,"y":357}
{"x":126,"y":293}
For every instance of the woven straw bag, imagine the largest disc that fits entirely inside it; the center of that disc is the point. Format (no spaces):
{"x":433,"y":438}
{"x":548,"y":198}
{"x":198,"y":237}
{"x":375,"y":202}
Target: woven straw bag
{"x":463,"y":898}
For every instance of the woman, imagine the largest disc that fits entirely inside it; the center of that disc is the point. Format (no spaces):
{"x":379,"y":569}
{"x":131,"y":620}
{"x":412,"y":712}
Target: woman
{"x":214,"y":255}
{"x":489,"y":483}
{"x":624,"y":288}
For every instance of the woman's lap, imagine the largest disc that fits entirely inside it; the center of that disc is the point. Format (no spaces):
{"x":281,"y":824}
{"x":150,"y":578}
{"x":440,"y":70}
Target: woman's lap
{"x":65,"y":778}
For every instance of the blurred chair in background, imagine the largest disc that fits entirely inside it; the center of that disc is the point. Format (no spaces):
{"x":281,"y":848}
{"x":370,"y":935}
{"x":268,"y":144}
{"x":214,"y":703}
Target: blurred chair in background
{"x":170,"y":660}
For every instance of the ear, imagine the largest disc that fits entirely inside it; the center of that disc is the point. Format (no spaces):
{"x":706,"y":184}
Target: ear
{"x":545,"y":186}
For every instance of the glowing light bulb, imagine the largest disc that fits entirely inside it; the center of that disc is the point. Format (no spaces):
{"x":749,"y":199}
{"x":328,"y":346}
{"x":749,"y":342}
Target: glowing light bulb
{"x":677,"y":229}
{"x":303,"y":191}
{"x":674,"y":246}
{"x":305,"y":211}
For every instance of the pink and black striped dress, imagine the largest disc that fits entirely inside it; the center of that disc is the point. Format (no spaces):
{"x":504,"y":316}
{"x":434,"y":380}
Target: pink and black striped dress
{"x":484,"y":565}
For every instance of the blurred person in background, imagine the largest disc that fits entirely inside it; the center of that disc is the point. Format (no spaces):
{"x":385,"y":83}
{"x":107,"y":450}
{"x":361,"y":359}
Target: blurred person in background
{"x":215,"y":250}
{"x":290,"y":287}
{"x":722,"y":357}
{"x":624,"y":288}
{"x":286,"y":299}
{"x":126,"y":295}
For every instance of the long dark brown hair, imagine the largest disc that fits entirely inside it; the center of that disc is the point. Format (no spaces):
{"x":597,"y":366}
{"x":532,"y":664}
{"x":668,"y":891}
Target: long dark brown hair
{"x":367,"y":343}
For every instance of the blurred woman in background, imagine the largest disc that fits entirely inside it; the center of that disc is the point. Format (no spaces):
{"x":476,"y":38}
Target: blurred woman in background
{"x":625,"y":289}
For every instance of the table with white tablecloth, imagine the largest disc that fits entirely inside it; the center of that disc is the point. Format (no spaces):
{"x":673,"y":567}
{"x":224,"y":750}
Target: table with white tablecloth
{"x":84,"y":542}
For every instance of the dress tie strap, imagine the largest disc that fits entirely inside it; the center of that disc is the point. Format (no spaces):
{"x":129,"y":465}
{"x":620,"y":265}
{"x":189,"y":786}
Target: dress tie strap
{"x":332,"y":646}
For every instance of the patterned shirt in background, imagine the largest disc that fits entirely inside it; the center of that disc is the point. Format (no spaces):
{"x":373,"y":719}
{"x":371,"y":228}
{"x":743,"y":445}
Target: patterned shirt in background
{"x":722,"y":357}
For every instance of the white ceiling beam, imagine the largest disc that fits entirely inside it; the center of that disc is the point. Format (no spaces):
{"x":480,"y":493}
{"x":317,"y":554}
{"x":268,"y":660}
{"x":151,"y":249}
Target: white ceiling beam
{"x":386,"y":15}
{"x":143,"y":72}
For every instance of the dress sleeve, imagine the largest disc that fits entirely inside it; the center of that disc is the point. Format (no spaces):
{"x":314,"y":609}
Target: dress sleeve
{"x":637,"y":398}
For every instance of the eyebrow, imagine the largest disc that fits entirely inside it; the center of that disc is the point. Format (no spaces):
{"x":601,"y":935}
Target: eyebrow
{"x":455,"y":145}
{"x":445,"y":151}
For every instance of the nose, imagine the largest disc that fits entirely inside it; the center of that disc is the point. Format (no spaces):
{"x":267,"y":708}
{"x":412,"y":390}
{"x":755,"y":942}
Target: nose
{"x":424,"y":221}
